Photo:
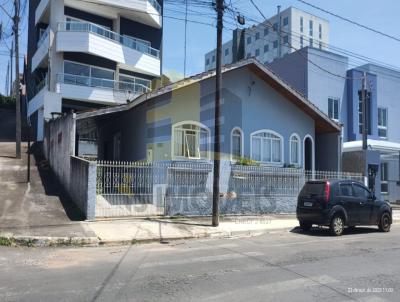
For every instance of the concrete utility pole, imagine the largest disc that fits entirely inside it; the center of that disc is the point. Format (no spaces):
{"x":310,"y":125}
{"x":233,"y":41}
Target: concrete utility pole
{"x":17,"y":82}
{"x":11,"y":68}
{"x":364,"y":112}
{"x":279,"y":32}
{"x":218,"y":80}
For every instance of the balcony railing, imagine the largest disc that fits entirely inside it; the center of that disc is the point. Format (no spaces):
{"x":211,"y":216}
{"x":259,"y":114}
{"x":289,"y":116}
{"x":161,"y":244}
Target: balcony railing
{"x":101,"y":83}
{"x":156,"y":5}
{"x":133,"y":43}
{"x":43,"y":37}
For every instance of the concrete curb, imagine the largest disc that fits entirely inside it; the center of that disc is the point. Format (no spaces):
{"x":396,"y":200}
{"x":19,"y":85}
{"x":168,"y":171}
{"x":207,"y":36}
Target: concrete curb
{"x":44,"y":241}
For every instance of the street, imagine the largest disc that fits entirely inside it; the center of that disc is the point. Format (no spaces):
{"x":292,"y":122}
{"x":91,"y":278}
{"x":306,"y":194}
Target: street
{"x":361,"y":265}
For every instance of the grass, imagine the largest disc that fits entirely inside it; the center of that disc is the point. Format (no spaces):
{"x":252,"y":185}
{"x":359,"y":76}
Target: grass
{"x":5,"y":241}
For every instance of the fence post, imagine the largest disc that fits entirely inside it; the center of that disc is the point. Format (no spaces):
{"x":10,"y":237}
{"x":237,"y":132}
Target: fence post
{"x":91,"y":191}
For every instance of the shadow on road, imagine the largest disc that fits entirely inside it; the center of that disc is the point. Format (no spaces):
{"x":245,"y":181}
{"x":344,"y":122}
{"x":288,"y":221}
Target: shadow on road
{"x":324,"y":232}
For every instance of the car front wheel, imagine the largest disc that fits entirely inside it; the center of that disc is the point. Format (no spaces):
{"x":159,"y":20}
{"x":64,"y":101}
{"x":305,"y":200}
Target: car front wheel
{"x":384,"y":223}
{"x":337,"y":225}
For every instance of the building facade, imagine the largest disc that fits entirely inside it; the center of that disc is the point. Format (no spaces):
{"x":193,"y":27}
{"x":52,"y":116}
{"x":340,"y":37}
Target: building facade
{"x":89,"y":54}
{"x":326,"y":80}
{"x":298,"y":29}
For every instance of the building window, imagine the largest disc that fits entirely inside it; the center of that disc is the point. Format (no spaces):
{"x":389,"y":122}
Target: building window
{"x":267,"y":147}
{"x":266,"y":48}
{"x":248,"y":55}
{"x":320,"y":31}
{"x":286,"y":40}
{"x":213,"y":58}
{"x":285,"y":21}
{"x":384,"y":178}
{"x":87,"y":75}
{"x":208,"y":61}
{"x":301,"y":42}
{"x":226,"y":51}
{"x":295,"y":149}
{"x":275,"y":26}
{"x":333,"y":108}
{"x":382,"y":122}
{"x":311,"y":42}
{"x":311,"y":28}
{"x":248,"y":40}
{"x":301,"y":24}
{"x":190,"y":140}
{"x":266,"y":31}
{"x":368,"y":113}
{"x":257,"y":36}
{"x":236,"y":144}
{"x":134,"y":84}
{"x":276,"y":44}
{"x":257,"y":52}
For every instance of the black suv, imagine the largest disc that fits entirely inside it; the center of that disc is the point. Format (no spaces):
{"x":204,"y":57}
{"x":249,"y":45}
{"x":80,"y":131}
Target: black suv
{"x":340,"y":203}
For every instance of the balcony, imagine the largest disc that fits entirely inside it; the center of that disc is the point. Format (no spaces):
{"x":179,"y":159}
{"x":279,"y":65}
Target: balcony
{"x":39,"y":59}
{"x":98,"y":90}
{"x":42,"y":12}
{"x":148,"y":12}
{"x":130,"y":53}
{"x":44,"y":99}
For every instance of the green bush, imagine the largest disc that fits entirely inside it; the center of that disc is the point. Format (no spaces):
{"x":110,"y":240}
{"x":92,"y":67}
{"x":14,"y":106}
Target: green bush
{"x":242,"y":161}
{"x":7,"y":101}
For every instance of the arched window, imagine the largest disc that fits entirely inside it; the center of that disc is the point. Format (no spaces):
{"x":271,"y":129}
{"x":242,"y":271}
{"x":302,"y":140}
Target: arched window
{"x":236,"y":143}
{"x":190,"y":140}
{"x":267,"y":147}
{"x":294,"y":149}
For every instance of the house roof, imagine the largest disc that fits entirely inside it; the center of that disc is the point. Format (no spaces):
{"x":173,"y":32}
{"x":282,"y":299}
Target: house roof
{"x":323,"y":124}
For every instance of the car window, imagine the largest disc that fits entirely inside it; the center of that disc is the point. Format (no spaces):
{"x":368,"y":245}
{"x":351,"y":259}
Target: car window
{"x":313,"y":189}
{"x":346,"y":190}
{"x":360,"y":192}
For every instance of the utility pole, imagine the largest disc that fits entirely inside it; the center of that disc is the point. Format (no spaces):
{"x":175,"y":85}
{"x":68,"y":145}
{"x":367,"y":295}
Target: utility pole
{"x":11,"y":68}
{"x":279,"y":32}
{"x":364,"y":111}
{"x":218,"y":84}
{"x":7,"y":78}
{"x":17,"y":83}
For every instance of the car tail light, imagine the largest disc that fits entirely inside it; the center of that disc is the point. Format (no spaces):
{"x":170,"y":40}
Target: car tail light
{"x":327,"y":191}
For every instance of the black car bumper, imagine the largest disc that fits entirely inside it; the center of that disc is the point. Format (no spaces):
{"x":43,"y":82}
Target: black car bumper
{"x":314,"y":216}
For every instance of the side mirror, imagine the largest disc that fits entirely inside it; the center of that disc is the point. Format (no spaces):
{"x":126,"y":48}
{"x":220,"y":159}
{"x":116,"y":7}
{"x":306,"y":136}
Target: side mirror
{"x":372,"y":197}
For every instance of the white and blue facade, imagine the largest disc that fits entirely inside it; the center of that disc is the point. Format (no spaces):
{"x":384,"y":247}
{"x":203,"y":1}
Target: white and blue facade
{"x":326,"y":79}
{"x":90,"y":54}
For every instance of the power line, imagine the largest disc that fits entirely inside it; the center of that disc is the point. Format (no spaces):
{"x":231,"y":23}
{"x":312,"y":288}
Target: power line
{"x":351,"y":21}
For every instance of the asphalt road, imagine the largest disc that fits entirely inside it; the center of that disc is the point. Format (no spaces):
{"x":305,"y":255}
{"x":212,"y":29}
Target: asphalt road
{"x":282,"y":266}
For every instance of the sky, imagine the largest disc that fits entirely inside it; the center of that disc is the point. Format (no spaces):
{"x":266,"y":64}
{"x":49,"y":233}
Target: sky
{"x":201,"y":38}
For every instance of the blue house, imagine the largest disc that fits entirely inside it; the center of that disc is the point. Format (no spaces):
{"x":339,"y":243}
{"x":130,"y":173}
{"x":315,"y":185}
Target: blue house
{"x":262,"y":119}
{"x":326,"y":80}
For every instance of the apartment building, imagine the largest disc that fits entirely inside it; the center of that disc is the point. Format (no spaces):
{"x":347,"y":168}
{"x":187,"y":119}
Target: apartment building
{"x":326,"y":80}
{"x":90,"y":53}
{"x":297,"y":29}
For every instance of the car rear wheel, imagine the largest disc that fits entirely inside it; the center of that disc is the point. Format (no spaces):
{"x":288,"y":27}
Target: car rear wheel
{"x":337,"y":225}
{"x":305,"y":226}
{"x":384,"y":223}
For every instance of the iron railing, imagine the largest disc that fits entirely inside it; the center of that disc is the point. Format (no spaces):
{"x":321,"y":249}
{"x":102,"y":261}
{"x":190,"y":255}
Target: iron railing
{"x":65,"y":78}
{"x":133,"y":43}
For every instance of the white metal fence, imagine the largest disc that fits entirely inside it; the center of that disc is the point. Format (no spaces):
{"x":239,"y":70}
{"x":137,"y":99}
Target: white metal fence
{"x":136,"y":188}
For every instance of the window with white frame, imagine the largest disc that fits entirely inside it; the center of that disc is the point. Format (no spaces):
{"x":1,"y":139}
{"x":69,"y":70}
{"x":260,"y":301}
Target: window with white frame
{"x":384,"y":178}
{"x":267,"y":147}
{"x":295,"y":150}
{"x":382,"y":122}
{"x":236,"y":144}
{"x":190,"y":141}
{"x":333,"y":108}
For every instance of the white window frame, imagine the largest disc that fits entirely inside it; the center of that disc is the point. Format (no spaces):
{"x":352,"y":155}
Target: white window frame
{"x":90,"y":68}
{"x":383,"y":127}
{"x":334,"y":99}
{"x":268,"y":131}
{"x":298,"y":164}
{"x":194,"y":123}
{"x":241,"y":142}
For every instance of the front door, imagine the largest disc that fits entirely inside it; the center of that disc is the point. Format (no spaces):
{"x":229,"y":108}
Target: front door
{"x":364,"y":204}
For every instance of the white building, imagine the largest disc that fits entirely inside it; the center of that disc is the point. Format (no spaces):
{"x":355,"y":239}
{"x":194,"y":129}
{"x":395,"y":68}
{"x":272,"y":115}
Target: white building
{"x":298,"y":29}
{"x":87,"y":54}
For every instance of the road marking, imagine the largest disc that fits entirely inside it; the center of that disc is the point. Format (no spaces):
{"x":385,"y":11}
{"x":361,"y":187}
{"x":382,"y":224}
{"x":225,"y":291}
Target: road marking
{"x":223,"y":257}
{"x":280,"y":286}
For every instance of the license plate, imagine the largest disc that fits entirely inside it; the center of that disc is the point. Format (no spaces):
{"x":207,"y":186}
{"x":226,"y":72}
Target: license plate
{"x":308,"y":204}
